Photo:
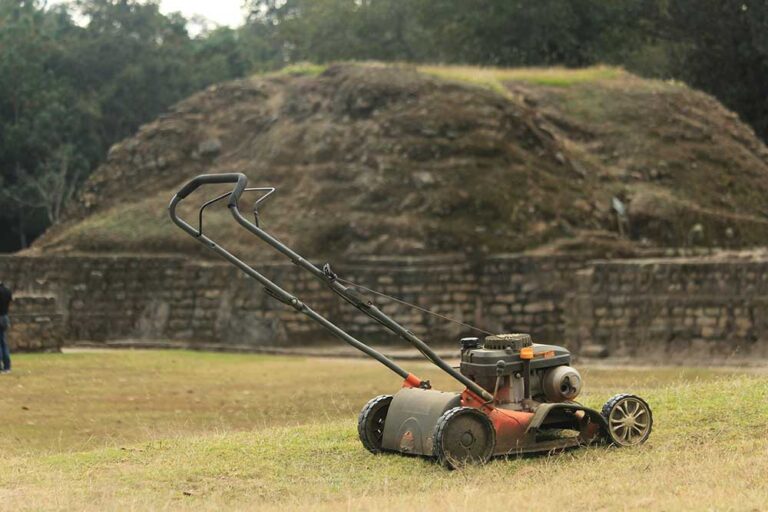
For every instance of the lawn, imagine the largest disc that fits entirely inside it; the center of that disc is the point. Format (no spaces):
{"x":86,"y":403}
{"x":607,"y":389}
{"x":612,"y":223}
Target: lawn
{"x":123,"y":430}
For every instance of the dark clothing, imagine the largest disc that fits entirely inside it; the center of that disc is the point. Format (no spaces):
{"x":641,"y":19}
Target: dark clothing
{"x":5,"y":354}
{"x":5,"y":299}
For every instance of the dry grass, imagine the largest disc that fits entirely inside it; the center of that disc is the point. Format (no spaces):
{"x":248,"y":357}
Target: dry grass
{"x":178,"y":430}
{"x":302,"y":68}
{"x":487,"y":76}
{"x":495,"y":78}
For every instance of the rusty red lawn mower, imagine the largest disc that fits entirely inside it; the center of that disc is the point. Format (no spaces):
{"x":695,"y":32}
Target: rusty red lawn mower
{"x":518,"y":396}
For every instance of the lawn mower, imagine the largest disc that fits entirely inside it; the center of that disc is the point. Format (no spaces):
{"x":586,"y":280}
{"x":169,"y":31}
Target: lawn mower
{"x":518,"y":396}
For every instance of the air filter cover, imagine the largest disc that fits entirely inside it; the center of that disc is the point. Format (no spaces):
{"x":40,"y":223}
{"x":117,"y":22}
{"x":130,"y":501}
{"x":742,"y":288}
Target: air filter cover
{"x":515,"y":341}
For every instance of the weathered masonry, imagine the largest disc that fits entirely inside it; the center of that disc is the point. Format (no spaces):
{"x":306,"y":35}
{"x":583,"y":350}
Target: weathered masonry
{"x":651,"y":308}
{"x":661,"y":308}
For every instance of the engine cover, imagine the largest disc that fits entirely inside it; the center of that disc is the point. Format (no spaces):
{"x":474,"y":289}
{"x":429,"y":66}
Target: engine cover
{"x":499,"y":356}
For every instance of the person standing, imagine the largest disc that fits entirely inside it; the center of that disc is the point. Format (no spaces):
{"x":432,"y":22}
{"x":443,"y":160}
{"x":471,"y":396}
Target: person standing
{"x":5,"y":303}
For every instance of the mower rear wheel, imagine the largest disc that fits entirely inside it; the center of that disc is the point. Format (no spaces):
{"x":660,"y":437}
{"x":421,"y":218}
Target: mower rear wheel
{"x":463,"y":435}
{"x":370,"y":423}
{"x":629,"y":420}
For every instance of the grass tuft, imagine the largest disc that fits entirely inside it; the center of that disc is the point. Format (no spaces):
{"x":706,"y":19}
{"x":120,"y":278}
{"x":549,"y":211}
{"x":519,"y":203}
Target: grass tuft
{"x":303,"y":69}
{"x":495,"y":78}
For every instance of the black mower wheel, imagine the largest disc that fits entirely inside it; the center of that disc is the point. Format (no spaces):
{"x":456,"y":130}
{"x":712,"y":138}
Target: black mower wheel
{"x":370,"y":423}
{"x":462,"y":436}
{"x":629,"y":420}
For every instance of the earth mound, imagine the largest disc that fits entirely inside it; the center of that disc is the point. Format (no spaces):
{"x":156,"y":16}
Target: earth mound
{"x":380,"y":159}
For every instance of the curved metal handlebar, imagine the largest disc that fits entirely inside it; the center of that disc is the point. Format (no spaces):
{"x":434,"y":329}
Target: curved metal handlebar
{"x":270,"y":287}
{"x":207,"y":179}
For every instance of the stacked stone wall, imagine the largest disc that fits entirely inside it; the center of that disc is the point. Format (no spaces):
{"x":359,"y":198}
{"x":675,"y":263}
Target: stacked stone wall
{"x":120,"y":297}
{"x":667,"y":308}
{"x":634,"y":308}
{"x":37,"y":324}
{"x":526,"y":294}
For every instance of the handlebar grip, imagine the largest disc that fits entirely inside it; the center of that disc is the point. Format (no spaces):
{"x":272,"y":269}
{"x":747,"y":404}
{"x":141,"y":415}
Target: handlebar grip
{"x":207,"y":179}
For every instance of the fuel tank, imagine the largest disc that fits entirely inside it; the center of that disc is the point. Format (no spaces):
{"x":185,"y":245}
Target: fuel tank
{"x":412,"y":417}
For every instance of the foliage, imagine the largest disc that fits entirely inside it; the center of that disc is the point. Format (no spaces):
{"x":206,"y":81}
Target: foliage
{"x":488,"y":32}
{"x":68,"y":92}
{"x":71,"y":86}
{"x":46,"y":130}
{"x":720,"y":47}
{"x":727,"y":52}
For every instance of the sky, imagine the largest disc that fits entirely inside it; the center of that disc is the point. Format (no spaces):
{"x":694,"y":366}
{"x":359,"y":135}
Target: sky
{"x":222,"y":12}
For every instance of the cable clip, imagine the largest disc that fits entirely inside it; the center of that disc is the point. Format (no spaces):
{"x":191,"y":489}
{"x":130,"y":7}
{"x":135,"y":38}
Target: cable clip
{"x":330,"y":274}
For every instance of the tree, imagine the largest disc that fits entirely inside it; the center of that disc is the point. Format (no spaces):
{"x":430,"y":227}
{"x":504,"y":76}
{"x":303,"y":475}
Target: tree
{"x":68,"y":92}
{"x":218,"y":55}
{"x":726,"y":52}
{"x":488,"y":32}
{"x":51,"y":186}
{"x":41,"y":120}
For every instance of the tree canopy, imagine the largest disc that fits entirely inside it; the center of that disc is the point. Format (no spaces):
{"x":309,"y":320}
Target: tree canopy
{"x":76,"y":78}
{"x":68,"y":91}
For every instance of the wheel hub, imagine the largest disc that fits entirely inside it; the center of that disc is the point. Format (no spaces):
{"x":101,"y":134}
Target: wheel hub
{"x":629,"y":421}
{"x":463,"y":435}
{"x":467,"y":438}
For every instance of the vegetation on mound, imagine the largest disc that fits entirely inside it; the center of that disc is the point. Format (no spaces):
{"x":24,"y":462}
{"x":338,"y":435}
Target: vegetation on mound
{"x":495,"y":78}
{"x":149,"y":430}
{"x":382,"y":159}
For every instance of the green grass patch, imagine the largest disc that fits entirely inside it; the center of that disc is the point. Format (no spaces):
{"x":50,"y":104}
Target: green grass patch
{"x":151,"y":430}
{"x":495,"y":78}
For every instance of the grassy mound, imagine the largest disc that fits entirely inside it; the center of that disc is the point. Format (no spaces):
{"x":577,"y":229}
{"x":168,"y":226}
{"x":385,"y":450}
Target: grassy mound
{"x":384,"y":159}
{"x":153,"y":430}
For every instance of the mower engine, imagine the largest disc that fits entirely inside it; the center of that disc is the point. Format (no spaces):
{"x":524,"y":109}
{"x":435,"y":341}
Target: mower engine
{"x":502,"y":367}
{"x":524,"y":404}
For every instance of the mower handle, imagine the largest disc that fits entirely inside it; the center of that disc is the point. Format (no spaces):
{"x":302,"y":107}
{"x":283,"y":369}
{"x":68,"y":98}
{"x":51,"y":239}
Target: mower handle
{"x":238,"y":178}
{"x":283,"y":296}
{"x":270,"y":287}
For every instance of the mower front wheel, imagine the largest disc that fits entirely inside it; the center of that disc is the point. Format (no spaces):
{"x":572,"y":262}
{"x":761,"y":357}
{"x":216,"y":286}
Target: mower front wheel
{"x":370,"y":423}
{"x":629,"y":420}
{"x":463,"y":435}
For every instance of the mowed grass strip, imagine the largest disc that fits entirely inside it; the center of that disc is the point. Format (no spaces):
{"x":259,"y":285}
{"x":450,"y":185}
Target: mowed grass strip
{"x":149,"y":430}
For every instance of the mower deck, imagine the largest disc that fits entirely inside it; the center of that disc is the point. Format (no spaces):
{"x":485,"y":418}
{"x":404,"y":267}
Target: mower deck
{"x":414,"y":414}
